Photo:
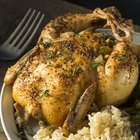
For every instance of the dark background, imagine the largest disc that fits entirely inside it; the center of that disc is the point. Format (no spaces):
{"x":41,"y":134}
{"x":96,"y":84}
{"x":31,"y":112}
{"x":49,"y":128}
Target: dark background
{"x":128,"y":8}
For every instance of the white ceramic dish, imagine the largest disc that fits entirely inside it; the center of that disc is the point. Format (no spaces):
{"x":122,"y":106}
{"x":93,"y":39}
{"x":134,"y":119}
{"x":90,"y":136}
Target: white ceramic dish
{"x":7,"y":110}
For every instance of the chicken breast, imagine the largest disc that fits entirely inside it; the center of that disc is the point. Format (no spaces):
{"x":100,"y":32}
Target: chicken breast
{"x":53,"y":80}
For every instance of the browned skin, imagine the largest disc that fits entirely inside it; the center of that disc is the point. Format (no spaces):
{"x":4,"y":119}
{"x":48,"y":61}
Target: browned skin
{"x":49,"y":81}
{"x":75,"y":23}
{"x":65,"y":75}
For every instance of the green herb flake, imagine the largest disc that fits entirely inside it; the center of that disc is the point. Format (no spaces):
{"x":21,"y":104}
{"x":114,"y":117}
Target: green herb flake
{"x":77,"y":70}
{"x":95,"y":65}
{"x":54,"y":26}
{"x":50,"y":55}
{"x":19,"y":72}
{"x":104,"y":50}
{"x":44,"y":92}
{"x":121,"y":57}
{"x":42,"y":124}
{"x":97,"y":61}
{"x":61,"y":52}
{"x":78,"y":35}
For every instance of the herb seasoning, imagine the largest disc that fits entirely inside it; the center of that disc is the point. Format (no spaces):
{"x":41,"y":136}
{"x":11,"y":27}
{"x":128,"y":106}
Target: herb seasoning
{"x":44,"y":92}
{"x":121,"y":57}
{"x":104,"y":50}
{"x":50,"y":55}
{"x":77,"y":70}
{"x":95,"y":65}
{"x":42,"y":124}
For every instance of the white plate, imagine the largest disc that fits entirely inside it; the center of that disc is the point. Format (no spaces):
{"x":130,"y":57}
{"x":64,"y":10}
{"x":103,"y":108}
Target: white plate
{"x":7,"y":110}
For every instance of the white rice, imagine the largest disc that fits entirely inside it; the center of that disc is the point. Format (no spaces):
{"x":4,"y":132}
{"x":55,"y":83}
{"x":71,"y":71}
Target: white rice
{"x":108,"y":124}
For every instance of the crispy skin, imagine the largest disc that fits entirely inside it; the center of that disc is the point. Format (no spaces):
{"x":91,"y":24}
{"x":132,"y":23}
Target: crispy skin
{"x":66,"y":76}
{"x":118,"y":77}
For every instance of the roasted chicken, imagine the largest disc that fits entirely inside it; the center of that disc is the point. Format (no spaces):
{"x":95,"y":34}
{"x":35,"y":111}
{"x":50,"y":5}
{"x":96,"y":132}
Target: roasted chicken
{"x":72,"y":66}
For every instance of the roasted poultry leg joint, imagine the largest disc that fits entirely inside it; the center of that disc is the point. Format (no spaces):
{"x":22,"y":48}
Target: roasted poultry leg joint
{"x":72,"y":66}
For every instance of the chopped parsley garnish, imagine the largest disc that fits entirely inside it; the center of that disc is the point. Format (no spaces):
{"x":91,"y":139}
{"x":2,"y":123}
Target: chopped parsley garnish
{"x":97,"y":61}
{"x":44,"y":92}
{"x":54,"y":26}
{"x":61,"y":52}
{"x":95,"y":65}
{"x":121,"y":57}
{"x":77,"y":70}
{"x":104,"y":50}
{"x":42,"y":124}
{"x":50,"y":55}
{"x":19,"y":72}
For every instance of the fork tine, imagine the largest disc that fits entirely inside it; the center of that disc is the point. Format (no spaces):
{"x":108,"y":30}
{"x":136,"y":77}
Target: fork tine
{"x":18,"y":27}
{"x":23,"y":29}
{"x":32,"y":35}
{"x":28,"y":31}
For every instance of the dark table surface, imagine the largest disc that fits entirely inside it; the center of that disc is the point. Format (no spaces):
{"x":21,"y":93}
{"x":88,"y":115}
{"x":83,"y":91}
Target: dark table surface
{"x":128,"y":8}
{"x":12,"y":11}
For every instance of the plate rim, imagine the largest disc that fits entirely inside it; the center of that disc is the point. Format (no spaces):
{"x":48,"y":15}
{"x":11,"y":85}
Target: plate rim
{"x":1,"y":114}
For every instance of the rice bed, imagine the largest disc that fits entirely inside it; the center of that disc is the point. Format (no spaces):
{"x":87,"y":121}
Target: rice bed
{"x":108,"y":124}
